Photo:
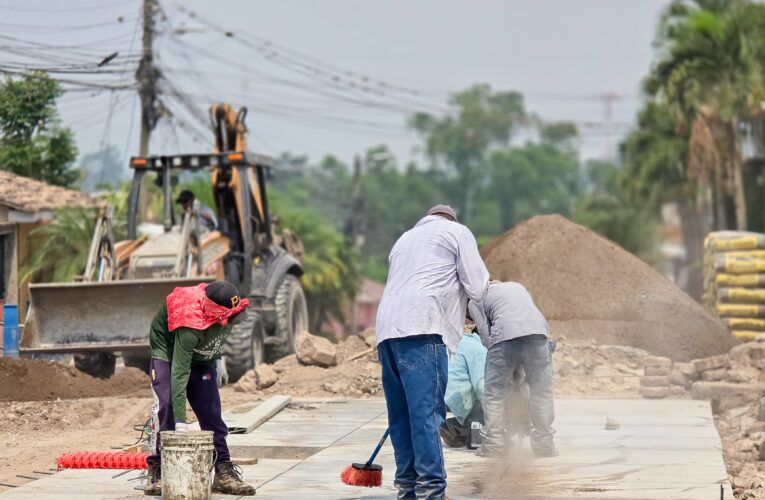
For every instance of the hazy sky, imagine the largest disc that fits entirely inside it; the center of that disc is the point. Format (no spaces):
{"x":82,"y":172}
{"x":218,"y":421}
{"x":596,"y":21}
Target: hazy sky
{"x":563,"y":55}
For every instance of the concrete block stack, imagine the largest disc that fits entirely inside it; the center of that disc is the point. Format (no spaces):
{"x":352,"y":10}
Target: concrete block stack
{"x":656,"y":381}
{"x":734,"y":280}
{"x":738,"y":373}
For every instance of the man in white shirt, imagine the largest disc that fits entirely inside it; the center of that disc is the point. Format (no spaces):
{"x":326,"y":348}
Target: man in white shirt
{"x":434,"y":268}
{"x":515,"y":332}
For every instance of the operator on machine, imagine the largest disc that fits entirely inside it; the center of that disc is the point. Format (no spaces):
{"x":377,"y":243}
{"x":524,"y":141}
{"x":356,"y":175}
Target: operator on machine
{"x":206,"y":214}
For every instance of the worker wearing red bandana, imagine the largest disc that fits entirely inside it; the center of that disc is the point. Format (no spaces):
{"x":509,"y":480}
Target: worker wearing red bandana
{"x":187,"y":337}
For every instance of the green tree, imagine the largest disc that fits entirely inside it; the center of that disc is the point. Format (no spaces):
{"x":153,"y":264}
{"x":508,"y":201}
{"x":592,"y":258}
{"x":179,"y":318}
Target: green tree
{"x":330,"y":278}
{"x":33,"y":142}
{"x":710,"y":73}
{"x":607,"y":209}
{"x":659,"y":167}
{"x":537,"y":178}
{"x":461,"y":142}
{"x":60,"y":248}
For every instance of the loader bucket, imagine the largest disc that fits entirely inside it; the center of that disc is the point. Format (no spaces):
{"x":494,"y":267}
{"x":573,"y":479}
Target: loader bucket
{"x":68,"y":317}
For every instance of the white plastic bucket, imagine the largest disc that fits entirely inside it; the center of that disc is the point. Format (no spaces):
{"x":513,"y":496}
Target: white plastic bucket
{"x":187,"y":462}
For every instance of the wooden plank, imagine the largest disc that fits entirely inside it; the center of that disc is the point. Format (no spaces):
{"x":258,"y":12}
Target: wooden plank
{"x":243,"y":423}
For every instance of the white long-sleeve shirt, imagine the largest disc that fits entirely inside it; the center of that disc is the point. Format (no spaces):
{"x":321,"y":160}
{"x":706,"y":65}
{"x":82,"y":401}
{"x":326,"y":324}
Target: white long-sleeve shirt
{"x":434,"y":268}
{"x":507,"y":312}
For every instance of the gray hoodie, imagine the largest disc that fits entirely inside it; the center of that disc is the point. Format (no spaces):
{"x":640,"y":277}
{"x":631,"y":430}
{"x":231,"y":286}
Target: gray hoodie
{"x":507,"y":312}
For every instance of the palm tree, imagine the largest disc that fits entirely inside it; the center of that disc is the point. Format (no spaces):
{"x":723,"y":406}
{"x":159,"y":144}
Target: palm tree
{"x":659,"y":166}
{"x":60,"y":248}
{"x":709,"y":73}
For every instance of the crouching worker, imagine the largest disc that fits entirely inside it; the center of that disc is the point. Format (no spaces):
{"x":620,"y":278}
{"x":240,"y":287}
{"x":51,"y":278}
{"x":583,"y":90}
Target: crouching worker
{"x":187,"y":337}
{"x":464,"y":390}
{"x":516,"y":335}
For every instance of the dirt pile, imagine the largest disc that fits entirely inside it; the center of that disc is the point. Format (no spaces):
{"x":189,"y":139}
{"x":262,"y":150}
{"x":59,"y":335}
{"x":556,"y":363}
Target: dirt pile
{"x":589,"y":288}
{"x":37,"y":380}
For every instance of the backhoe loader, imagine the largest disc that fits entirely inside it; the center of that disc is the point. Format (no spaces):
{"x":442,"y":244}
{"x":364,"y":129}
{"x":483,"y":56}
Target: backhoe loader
{"x":109,"y":310}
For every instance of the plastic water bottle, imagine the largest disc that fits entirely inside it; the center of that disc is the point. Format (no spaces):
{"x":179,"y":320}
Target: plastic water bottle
{"x":474,"y":437}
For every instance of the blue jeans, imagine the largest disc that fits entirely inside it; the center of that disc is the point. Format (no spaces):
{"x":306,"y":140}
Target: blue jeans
{"x":414,"y":373}
{"x":533,"y":353}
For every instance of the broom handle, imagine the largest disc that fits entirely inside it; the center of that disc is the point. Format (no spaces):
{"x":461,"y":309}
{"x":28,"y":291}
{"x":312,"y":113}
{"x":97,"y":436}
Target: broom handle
{"x":379,"y":445}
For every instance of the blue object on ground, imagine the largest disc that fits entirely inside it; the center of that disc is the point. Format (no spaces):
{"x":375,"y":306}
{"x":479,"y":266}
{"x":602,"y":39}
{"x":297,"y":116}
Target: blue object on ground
{"x":11,"y":333}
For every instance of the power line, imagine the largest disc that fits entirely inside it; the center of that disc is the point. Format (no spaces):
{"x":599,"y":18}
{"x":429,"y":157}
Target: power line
{"x":69,"y":9}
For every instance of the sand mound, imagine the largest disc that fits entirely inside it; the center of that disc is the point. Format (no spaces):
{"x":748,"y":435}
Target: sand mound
{"x":591,"y":289}
{"x":37,"y":380}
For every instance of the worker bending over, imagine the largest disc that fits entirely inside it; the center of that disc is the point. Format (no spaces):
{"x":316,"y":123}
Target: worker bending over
{"x":434,"y":268}
{"x":516,"y":335}
{"x":187,"y":337}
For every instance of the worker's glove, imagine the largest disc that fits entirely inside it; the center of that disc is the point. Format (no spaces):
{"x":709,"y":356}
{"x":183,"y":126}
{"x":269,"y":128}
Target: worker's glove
{"x":221,"y":373}
{"x":181,"y":427}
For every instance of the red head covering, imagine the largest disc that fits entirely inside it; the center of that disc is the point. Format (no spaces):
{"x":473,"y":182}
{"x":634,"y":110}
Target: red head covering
{"x":189,"y":307}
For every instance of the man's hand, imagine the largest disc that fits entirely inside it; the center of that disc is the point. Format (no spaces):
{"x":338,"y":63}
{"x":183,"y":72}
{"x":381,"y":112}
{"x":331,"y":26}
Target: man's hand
{"x":181,"y":427}
{"x":221,"y":372}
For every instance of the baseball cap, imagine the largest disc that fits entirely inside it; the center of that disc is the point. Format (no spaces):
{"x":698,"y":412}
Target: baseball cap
{"x":443,"y":209}
{"x":227,"y":295}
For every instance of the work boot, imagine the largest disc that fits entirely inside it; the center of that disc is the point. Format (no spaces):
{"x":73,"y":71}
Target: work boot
{"x":228,"y":480}
{"x":153,"y":481}
{"x":453,"y":434}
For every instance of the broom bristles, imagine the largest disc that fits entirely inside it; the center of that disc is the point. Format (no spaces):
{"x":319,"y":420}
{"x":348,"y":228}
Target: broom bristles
{"x":369,"y":477}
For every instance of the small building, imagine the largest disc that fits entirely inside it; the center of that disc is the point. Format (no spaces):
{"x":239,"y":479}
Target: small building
{"x":367,"y":301}
{"x":24,"y":205}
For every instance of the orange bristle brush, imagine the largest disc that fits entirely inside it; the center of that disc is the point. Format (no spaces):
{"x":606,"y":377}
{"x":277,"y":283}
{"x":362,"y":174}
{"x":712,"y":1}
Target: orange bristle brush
{"x":368,"y":474}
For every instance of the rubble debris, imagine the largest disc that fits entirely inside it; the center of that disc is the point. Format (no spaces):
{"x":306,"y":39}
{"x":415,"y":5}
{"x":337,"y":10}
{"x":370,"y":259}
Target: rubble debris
{"x":713,"y":375}
{"x":658,"y":370}
{"x":612,"y":424}
{"x":655,"y":392}
{"x":589,"y":288}
{"x":716,"y":390}
{"x":654,"y":381}
{"x":656,"y":362}
{"x":265,"y":376}
{"x":262,"y":377}
{"x":315,"y":350}
{"x":710,"y":363}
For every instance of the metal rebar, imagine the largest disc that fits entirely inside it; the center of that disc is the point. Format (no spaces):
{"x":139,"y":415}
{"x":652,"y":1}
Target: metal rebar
{"x":26,"y":477}
{"x":41,"y":472}
{"x":9,"y":485}
{"x":122,"y":473}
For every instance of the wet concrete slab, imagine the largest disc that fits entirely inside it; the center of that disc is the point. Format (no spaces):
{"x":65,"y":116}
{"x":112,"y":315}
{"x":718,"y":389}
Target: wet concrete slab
{"x":665,"y":449}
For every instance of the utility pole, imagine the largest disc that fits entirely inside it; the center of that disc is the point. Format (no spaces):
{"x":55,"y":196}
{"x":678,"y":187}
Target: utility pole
{"x":354,"y":230}
{"x":147,"y":75}
{"x":608,"y":99}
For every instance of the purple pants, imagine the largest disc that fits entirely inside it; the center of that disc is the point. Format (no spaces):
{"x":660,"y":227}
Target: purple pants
{"x":203,"y":396}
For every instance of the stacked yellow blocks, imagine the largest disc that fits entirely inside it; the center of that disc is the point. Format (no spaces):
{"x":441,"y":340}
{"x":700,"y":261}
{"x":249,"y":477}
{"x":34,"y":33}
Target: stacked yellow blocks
{"x":734,"y":280}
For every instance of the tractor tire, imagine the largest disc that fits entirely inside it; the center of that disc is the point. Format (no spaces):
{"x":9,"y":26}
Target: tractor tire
{"x":291,"y":318}
{"x":244,"y":349}
{"x":137,"y":361}
{"x":96,"y":364}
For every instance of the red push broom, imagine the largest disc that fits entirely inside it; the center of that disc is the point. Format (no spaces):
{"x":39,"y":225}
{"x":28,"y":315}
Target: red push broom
{"x":367,"y":474}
